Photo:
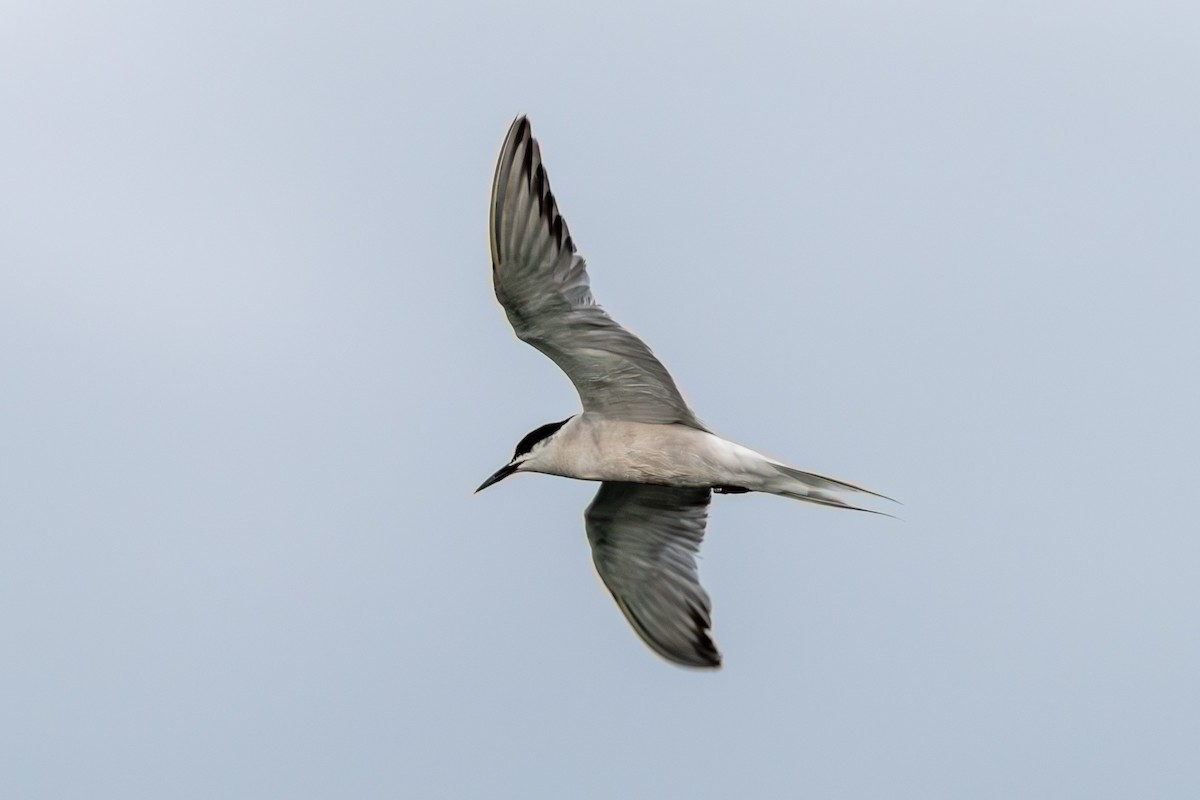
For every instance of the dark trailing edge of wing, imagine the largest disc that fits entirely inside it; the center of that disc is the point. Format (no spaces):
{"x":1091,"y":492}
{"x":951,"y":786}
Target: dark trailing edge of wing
{"x":706,"y":654}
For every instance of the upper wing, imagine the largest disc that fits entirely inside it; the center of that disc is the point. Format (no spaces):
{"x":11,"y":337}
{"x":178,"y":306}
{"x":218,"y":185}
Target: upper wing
{"x":644,"y":541}
{"x":542,"y":282}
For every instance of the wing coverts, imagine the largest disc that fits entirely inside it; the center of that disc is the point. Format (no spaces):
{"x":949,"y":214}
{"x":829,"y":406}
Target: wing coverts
{"x":542,"y":283}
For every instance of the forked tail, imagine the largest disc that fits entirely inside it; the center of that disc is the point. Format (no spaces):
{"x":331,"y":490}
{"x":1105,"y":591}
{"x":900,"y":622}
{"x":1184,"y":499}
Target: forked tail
{"x":812,"y":488}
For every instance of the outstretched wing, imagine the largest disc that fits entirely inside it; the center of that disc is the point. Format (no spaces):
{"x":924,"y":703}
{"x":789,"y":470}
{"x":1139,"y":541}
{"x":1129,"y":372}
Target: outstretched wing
{"x":644,"y":542}
{"x":542,"y":283}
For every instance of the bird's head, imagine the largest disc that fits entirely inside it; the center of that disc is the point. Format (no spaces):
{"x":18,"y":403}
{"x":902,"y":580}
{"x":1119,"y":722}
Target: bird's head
{"x":527,"y":449}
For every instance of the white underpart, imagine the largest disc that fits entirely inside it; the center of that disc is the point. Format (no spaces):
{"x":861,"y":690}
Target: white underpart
{"x":594,"y":447}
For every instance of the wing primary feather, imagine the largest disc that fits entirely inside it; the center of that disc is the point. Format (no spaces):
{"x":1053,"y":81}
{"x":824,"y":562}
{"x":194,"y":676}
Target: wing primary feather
{"x":500,"y":183}
{"x":542,"y":283}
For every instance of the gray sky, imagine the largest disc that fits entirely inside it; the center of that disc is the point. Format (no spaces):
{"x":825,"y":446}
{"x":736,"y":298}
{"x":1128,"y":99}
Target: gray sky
{"x":253,"y":370}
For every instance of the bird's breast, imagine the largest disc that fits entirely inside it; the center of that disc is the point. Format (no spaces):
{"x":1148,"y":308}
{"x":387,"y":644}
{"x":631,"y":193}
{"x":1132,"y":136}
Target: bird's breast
{"x":616,"y":450}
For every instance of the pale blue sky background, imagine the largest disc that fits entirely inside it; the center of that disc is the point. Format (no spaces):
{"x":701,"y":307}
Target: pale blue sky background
{"x":252,"y":370}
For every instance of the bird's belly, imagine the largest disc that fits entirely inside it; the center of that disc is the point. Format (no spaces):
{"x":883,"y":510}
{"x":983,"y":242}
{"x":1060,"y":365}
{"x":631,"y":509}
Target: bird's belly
{"x":649,"y":470}
{"x":642,"y":453}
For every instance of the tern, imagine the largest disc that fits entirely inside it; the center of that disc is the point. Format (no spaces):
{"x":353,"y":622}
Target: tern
{"x":656,"y":462}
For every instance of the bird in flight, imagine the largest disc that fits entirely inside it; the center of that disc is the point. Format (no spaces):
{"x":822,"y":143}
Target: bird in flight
{"x":656,"y":462}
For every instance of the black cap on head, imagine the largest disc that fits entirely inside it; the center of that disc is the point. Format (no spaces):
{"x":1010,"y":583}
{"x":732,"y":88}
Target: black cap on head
{"x":537,"y":435}
{"x":523,"y":447}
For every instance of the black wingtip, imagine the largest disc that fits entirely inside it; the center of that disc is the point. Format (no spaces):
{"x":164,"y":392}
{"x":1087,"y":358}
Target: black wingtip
{"x":706,"y":648}
{"x":520,"y":127}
